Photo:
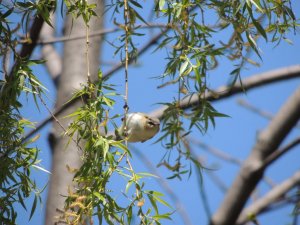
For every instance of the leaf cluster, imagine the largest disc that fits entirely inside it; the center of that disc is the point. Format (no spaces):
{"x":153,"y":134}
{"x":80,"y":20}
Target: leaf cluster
{"x":80,"y":9}
{"x":17,"y":157}
{"x":102,"y":157}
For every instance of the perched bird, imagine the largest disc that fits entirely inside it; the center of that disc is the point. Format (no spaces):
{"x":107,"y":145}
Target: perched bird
{"x":140,"y":127}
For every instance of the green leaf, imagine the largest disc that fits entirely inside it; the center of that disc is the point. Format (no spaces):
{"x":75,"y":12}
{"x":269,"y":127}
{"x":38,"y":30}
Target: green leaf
{"x":99,"y":196}
{"x":21,"y":200}
{"x":256,"y":3}
{"x":288,"y":41}
{"x":252,"y":43}
{"x":140,"y":17}
{"x":7,"y":13}
{"x":260,"y":29}
{"x":161,"y":4}
{"x":183,"y":67}
{"x":129,"y":215}
{"x":153,"y":202}
{"x":128,"y":185}
{"x":120,"y":145}
{"x":136,"y":4}
{"x":163,"y":216}
{"x":143,"y":174}
{"x":33,"y":207}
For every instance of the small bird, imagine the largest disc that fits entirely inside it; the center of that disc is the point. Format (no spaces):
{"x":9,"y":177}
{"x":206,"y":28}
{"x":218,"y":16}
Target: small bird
{"x":140,"y":127}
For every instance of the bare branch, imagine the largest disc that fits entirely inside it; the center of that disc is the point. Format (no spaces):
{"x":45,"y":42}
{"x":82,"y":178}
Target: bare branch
{"x":254,"y":109}
{"x":278,"y":153}
{"x":252,"y":171}
{"x":271,"y":197}
{"x":258,"y":80}
{"x":101,"y":32}
{"x":119,"y":66}
{"x":28,"y":47}
{"x":260,"y":112}
{"x":217,"y":153}
{"x":226,"y":157}
{"x":250,"y":83}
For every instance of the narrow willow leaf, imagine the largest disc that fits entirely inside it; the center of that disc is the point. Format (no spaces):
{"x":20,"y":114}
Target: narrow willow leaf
{"x":128,"y":185}
{"x":136,"y":4}
{"x":161,"y":4}
{"x":143,"y":174}
{"x":41,"y":168}
{"x":256,"y":3}
{"x":163,"y":216}
{"x":21,"y":200}
{"x":129,"y":215}
{"x":183,"y":67}
{"x":153,"y":202}
{"x":33,"y":207}
{"x":260,"y":29}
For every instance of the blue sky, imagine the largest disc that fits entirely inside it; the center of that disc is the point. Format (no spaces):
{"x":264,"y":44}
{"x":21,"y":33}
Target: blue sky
{"x":235,"y":135}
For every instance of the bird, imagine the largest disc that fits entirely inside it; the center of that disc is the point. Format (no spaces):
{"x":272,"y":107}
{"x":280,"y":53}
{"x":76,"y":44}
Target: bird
{"x":140,"y":127}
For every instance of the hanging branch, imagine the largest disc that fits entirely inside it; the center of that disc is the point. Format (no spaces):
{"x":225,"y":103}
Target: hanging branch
{"x":101,"y":32}
{"x":250,"y":83}
{"x":87,"y":46}
{"x":126,"y":107}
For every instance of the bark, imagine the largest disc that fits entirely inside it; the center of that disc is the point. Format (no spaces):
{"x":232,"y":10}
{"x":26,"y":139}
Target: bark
{"x":74,"y":73}
{"x":226,"y":91}
{"x":252,"y":170}
{"x":271,"y":197}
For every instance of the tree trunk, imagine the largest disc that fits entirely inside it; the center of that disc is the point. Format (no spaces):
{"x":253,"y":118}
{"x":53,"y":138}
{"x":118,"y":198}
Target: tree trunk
{"x":74,"y":73}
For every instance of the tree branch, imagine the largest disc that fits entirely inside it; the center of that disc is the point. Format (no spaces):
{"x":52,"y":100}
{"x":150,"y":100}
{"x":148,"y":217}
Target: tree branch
{"x":119,"y":66}
{"x":278,"y":153}
{"x":34,"y":33}
{"x":271,"y":197}
{"x":225,"y":91}
{"x":250,"y":83}
{"x":258,"y":111}
{"x":101,"y":32}
{"x":252,"y":170}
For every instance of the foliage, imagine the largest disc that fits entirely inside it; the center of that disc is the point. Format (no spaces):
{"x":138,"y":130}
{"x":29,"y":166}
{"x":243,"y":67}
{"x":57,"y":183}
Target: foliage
{"x":193,"y":51}
{"x":102,"y":159}
{"x":17,"y":157}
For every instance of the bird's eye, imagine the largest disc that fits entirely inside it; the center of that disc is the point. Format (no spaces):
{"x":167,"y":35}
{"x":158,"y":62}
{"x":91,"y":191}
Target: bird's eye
{"x":151,"y":123}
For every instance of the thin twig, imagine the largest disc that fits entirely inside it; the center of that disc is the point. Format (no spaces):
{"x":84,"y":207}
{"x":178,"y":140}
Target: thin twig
{"x":252,"y":82}
{"x":260,"y":112}
{"x":87,"y":55}
{"x":216,"y":152}
{"x":254,"y":109}
{"x":226,"y":157}
{"x":126,"y":107}
{"x":57,"y":121}
{"x":279,"y":152}
{"x":97,"y":33}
